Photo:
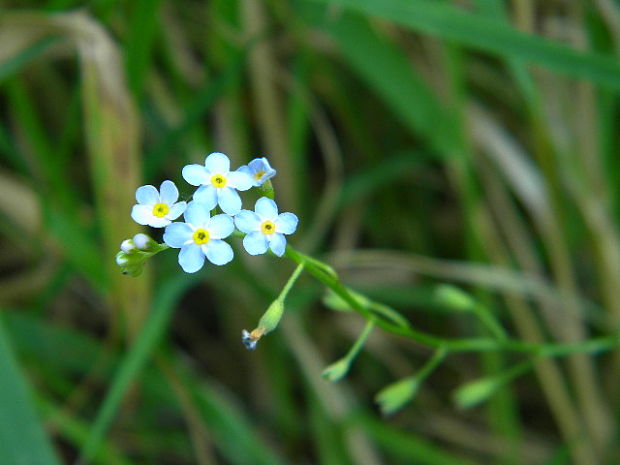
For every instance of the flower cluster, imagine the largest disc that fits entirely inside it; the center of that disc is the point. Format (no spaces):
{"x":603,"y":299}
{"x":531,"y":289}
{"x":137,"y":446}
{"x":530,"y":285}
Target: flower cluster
{"x":213,"y":214}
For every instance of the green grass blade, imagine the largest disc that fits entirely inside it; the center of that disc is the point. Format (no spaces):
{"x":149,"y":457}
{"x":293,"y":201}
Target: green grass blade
{"x":142,"y":32}
{"x":17,"y":62}
{"x":406,"y":446}
{"x":481,"y":33}
{"x":403,"y":90}
{"x":22,"y":439}
{"x":133,"y":363}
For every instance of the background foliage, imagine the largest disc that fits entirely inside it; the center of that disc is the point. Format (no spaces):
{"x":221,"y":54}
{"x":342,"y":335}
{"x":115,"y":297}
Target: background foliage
{"x":423,"y":144}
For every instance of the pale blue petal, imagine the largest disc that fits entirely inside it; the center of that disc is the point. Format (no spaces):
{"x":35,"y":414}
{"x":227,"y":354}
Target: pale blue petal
{"x":157,"y":222}
{"x":245,"y":169}
{"x":147,"y":195}
{"x":195,"y":175}
{"x":277,"y":244}
{"x":240,"y":180}
{"x":191,"y":258}
{"x":255,"y":243}
{"x":207,"y":195}
{"x":228,"y":200}
{"x":220,"y":226}
{"x":168,"y":193}
{"x":142,"y":214}
{"x":176,"y":210}
{"x":177,"y":234}
{"x":247,"y":221}
{"x":197,"y":214}
{"x":266,"y":209}
{"x":218,"y":252}
{"x":259,"y":164}
{"x":268,"y":175}
{"x":286,"y":223}
{"x":217,"y":163}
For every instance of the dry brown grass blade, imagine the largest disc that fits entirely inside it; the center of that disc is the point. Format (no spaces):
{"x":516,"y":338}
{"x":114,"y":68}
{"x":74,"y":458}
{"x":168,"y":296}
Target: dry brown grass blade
{"x":113,"y":138}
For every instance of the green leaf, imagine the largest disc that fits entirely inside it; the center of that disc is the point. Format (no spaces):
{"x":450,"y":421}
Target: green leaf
{"x":481,"y":33}
{"x":22,"y":439}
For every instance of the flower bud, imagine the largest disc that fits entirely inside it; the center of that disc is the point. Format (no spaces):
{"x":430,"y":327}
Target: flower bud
{"x":142,"y":241}
{"x":337,"y":370}
{"x":454,"y":298}
{"x":394,"y":396}
{"x":127,"y":245}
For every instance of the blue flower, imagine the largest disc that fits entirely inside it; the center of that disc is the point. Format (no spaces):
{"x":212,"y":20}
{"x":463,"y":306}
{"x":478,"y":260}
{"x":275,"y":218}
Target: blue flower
{"x":157,"y":208}
{"x":264,"y":228}
{"x":199,"y":237}
{"x":218,"y":185}
{"x":260,"y":171}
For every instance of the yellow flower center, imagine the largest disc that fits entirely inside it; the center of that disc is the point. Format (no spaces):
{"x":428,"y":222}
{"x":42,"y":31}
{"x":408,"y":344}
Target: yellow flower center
{"x":218,"y":181}
{"x":268,"y":227}
{"x":160,"y":210}
{"x":259,"y":175}
{"x":201,"y":236}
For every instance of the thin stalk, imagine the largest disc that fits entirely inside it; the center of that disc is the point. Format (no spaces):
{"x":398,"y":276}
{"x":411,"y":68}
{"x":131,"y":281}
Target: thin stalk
{"x":455,"y":345}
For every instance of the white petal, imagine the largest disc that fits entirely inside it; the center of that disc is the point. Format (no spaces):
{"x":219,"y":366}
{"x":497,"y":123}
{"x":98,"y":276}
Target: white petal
{"x":142,"y":214}
{"x":218,"y":252}
{"x":266,"y":209}
{"x":220,"y":226}
{"x":277,"y":244}
{"x":195,"y":175}
{"x":176,"y":210}
{"x":217,"y":163}
{"x":286,"y":223}
{"x":168,"y":193}
{"x":207,"y":195}
{"x":247,"y":221}
{"x":240,"y":180}
{"x":191,"y":258}
{"x":228,"y":200}
{"x":197,"y":214}
{"x":177,"y":234}
{"x":147,"y":195}
{"x":255,"y":243}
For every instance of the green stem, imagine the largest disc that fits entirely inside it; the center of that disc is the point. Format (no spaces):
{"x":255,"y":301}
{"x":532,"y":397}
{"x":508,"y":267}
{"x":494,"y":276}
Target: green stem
{"x":289,"y":284}
{"x":438,"y":357}
{"x":327,"y":276}
{"x":361,"y":340}
{"x":489,"y":321}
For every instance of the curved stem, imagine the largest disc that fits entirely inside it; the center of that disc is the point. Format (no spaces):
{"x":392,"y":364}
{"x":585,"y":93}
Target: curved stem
{"x":327,"y":276}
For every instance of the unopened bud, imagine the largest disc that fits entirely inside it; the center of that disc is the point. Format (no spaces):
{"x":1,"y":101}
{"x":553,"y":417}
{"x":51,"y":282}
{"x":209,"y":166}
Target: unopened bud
{"x":142,"y":241}
{"x":127,"y":245}
{"x":454,"y":298}
{"x":394,"y":396}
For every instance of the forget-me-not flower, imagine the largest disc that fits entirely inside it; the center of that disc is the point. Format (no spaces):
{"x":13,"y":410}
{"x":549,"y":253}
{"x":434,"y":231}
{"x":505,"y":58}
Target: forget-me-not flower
{"x":264,"y":228}
{"x":218,"y":185}
{"x":199,"y":237}
{"x":157,"y":208}
{"x":260,"y":170}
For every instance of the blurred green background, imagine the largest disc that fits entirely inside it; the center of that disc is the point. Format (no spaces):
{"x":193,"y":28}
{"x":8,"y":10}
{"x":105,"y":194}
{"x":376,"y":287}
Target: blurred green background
{"x":422,"y":144}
